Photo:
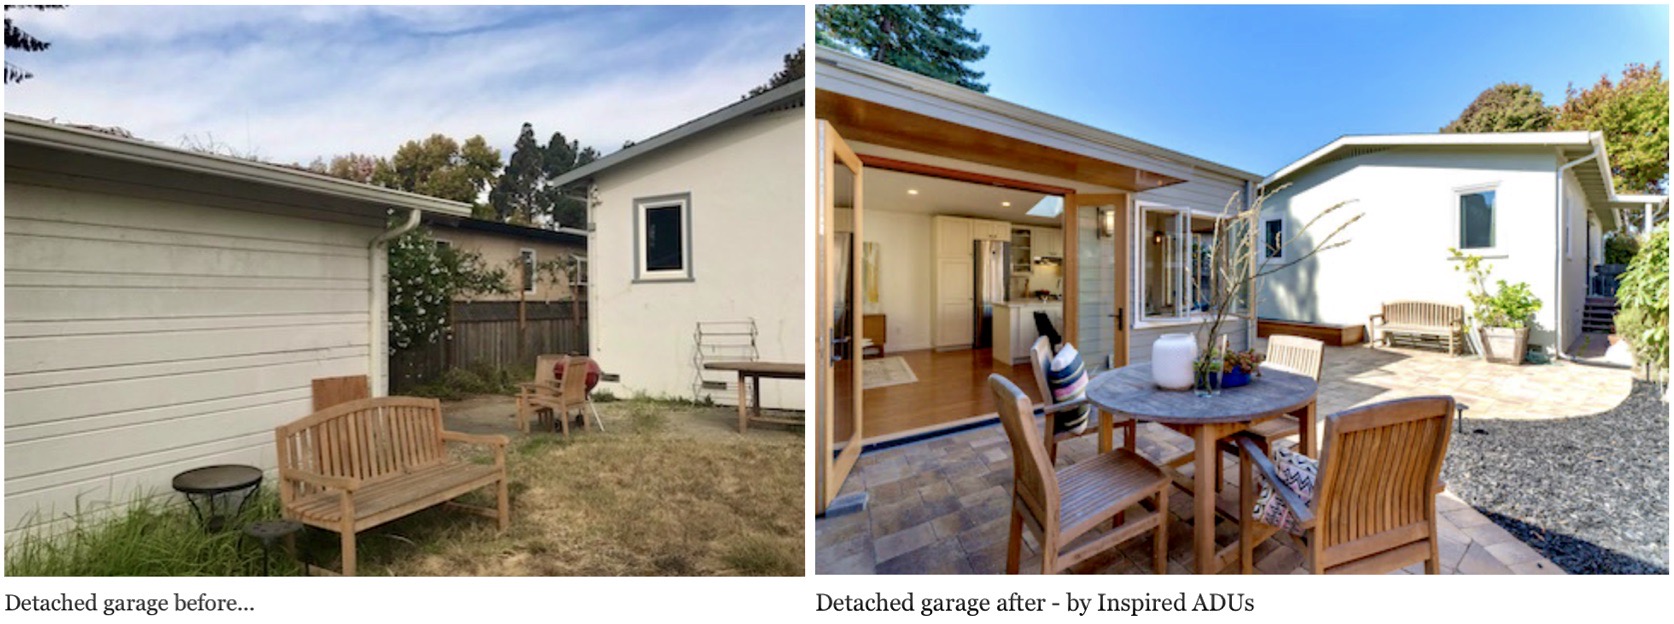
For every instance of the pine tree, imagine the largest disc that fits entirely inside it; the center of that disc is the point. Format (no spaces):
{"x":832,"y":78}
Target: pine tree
{"x":928,"y":39}
{"x":17,"y":39}
{"x":795,"y":66}
{"x":517,"y":196}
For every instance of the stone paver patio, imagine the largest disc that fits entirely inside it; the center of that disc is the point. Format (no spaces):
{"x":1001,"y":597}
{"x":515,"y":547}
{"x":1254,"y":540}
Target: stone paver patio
{"x":940,"y":506}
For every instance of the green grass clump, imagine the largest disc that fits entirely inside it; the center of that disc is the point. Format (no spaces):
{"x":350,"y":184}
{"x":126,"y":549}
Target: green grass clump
{"x":150,"y":537}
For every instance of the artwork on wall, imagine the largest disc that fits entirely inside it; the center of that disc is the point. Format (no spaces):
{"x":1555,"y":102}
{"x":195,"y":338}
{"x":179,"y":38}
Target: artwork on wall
{"x":869,"y":267}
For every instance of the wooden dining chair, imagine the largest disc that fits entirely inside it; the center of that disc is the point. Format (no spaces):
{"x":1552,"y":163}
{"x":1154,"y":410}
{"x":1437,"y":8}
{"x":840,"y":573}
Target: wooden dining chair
{"x":1040,"y":356}
{"x":1374,"y":501}
{"x":1292,"y":354}
{"x":1060,"y":505}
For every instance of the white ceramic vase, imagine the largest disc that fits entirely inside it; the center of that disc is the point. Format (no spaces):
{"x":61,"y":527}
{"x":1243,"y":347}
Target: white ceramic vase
{"x":1171,"y":361}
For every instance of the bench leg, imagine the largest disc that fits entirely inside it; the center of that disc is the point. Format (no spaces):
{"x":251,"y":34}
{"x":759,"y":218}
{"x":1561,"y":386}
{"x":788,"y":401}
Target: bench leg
{"x":505,"y":504}
{"x":348,"y":533}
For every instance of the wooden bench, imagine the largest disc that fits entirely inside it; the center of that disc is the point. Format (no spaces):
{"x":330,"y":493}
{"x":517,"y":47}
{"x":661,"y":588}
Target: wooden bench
{"x":356,"y":465}
{"x":1421,"y":319}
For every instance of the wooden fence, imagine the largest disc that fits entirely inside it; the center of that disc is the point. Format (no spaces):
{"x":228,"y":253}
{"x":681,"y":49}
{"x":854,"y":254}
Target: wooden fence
{"x":493,"y":333}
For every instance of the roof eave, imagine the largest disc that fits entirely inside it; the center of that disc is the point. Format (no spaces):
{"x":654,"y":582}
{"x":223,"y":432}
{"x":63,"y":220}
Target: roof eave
{"x":1509,"y":139}
{"x":55,"y":136}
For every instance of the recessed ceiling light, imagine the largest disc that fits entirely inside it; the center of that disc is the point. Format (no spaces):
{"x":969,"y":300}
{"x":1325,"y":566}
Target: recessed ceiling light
{"x":1006,"y":204}
{"x":912,"y":191}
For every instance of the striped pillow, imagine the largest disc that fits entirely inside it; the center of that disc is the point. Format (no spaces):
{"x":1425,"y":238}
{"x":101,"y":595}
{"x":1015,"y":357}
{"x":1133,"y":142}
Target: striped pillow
{"x":1067,"y":379}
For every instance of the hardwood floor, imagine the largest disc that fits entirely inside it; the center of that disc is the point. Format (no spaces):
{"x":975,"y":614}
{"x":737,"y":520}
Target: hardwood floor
{"x":952,"y":386}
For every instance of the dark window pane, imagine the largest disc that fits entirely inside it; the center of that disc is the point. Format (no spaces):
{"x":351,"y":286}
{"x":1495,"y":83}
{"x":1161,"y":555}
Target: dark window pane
{"x":664,"y":242}
{"x":528,"y":271}
{"x":1275,"y":237}
{"x":1476,"y":220}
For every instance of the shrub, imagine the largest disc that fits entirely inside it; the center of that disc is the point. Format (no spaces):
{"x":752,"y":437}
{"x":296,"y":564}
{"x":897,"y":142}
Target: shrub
{"x":1643,"y":295}
{"x":1510,"y":305}
{"x":1620,"y":247}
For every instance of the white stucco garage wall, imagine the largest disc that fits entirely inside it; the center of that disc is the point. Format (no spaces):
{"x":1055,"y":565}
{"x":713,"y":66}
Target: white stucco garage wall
{"x":746,"y":182}
{"x":1398,"y":250}
{"x":151,"y":329}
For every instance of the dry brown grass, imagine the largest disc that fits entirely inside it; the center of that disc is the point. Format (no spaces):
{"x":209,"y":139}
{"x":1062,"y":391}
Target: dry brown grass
{"x":666,"y":491}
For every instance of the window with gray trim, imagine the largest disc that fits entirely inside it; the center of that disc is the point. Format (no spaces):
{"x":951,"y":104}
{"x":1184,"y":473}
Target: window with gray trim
{"x":662,"y":238}
{"x":1476,"y":220}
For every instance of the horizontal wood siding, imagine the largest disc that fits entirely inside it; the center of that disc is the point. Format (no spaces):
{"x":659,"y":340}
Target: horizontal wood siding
{"x":159,"y":330}
{"x":1140,"y":340}
{"x":488,"y":333}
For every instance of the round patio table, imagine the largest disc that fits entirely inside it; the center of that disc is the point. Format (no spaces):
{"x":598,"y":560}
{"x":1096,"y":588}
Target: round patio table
{"x":1129,"y":391}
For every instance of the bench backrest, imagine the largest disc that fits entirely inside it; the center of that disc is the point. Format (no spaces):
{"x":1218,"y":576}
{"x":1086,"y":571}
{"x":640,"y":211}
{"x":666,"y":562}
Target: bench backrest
{"x":368,"y":439}
{"x":1425,"y":313}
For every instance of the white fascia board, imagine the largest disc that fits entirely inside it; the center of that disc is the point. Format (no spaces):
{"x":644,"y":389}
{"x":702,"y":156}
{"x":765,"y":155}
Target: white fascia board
{"x":55,"y":136}
{"x":879,"y":83}
{"x":1564,"y":139}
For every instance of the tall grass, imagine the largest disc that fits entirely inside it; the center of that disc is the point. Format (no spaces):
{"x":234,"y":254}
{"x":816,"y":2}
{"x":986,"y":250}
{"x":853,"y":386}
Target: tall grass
{"x":149,"y":537}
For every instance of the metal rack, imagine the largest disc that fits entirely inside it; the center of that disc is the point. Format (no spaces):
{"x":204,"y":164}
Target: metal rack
{"x":721,"y":341}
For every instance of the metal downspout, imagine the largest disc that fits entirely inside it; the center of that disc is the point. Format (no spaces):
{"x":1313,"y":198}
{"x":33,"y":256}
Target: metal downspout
{"x":375,"y":311}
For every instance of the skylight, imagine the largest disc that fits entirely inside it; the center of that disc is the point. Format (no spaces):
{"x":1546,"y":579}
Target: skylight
{"x":1048,"y":207}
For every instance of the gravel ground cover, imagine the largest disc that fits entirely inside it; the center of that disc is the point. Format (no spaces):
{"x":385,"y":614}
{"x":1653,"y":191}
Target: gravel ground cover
{"x":1589,"y":492}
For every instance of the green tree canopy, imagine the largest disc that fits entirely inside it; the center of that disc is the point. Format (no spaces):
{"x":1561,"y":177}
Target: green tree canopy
{"x":439,"y":166}
{"x":1633,"y":115}
{"x":524,"y":192}
{"x":1506,"y":107}
{"x":17,"y":40}
{"x":928,"y":39}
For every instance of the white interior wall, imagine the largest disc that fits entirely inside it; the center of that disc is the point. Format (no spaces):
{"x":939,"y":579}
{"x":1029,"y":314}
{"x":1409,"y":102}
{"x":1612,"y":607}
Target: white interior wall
{"x":904,"y":266}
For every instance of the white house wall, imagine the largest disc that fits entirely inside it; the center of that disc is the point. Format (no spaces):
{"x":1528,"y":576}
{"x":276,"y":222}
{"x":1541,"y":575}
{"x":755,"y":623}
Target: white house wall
{"x":746,"y":185}
{"x":904,"y":296}
{"x":1398,"y":250}
{"x":1573,"y":289}
{"x":150,"y":335}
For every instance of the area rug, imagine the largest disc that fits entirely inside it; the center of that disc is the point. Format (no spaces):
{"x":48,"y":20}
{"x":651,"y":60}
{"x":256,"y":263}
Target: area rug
{"x":886,"y":371}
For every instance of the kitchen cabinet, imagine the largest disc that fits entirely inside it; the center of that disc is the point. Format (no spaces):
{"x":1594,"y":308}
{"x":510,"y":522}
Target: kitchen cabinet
{"x":953,"y":237}
{"x":1014,"y":327}
{"x":951,"y":280}
{"x":1049,"y":243}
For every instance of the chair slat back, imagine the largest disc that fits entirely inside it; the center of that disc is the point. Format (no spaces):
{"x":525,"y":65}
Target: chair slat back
{"x":368,"y":439}
{"x":545,"y":367}
{"x":574,"y":385}
{"x":1378,"y":468}
{"x":1040,"y":356}
{"x":1296,"y":354}
{"x":1426,"y":313}
{"x":1034,"y":480}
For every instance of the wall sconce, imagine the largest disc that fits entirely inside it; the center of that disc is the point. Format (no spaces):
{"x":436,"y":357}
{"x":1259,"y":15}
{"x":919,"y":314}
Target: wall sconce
{"x":1107,"y":222}
{"x":1157,"y":237}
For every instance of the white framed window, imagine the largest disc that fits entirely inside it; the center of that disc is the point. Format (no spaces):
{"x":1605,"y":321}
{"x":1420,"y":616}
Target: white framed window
{"x":579,"y":269}
{"x":1475,"y":221}
{"x":526,"y":258}
{"x":1171,"y":256}
{"x":663,"y":238}
{"x":1273,"y":237}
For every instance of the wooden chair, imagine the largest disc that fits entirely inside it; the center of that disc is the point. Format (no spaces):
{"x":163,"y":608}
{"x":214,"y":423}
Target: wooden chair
{"x":1374,"y":506}
{"x":1040,"y":355}
{"x":549,"y":400}
{"x":1292,"y":354}
{"x":331,"y":391}
{"x":1062,"y":505}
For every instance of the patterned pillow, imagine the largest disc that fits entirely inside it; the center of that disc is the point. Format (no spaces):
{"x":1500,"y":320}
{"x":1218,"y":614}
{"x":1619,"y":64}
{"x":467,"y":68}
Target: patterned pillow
{"x":1297,"y":472}
{"x":1067,"y":379}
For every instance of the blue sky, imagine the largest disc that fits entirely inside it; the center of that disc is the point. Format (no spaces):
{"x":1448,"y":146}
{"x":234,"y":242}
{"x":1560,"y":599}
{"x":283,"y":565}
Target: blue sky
{"x":292,"y":83}
{"x":1256,"y":87}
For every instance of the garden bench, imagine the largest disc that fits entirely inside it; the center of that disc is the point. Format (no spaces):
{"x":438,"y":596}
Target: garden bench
{"x":1421,"y":319}
{"x":356,"y":465}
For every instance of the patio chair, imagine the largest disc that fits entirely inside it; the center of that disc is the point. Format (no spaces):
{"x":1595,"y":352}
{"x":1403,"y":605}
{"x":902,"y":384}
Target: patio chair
{"x":550,"y":401}
{"x":1039,"y":355}
{"x":1060,"y":505}
{"x":1374,"y":502}
{"x":1292,"y":354}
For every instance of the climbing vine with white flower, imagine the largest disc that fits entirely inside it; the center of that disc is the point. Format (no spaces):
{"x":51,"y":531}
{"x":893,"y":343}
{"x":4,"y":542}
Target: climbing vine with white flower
{"x":424,"y":280}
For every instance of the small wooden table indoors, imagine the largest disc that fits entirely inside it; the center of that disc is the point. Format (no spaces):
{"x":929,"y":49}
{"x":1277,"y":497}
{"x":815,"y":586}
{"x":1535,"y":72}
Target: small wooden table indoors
{"x":1130,"y":391}
{"x":750,"y":375}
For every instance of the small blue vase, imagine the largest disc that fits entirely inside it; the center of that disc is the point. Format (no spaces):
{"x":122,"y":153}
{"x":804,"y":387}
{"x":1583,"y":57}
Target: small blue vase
{"x":1235,"y":379}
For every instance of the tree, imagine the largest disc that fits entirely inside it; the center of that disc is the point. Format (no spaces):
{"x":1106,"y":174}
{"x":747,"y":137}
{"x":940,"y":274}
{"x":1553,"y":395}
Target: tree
{"x":927,"y":39}
{"x":21,"y":41}
{"x":440,"y":167}
{"x":517,"y":195}
{"x":1506,"y":107}
{"x":795,"y":66}
{"x":1633,"y":116}
{"x":1643,"y":293}
{"x":561,"y":157}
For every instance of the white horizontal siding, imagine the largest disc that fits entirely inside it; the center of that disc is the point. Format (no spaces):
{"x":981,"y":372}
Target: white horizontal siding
{"x":151,"y":334}
{"x":1140,"y":340}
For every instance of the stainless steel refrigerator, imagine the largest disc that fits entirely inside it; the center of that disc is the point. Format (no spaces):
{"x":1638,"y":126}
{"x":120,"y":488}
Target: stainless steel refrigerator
{"x":991,"y":268}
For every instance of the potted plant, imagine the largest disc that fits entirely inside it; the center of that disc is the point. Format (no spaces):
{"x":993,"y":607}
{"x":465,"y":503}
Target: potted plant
{"x":1503,"y":316}
{"x":1240,"y":367}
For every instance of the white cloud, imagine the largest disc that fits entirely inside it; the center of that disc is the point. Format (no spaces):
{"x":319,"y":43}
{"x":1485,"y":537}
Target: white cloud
{"x":293,"y":83}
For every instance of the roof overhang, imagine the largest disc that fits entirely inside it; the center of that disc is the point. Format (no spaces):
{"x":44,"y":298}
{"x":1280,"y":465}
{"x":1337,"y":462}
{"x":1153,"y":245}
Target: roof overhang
{"x":780,"y":98}
{"x":52,"y":136}
{"x":874,"y":103}
{"x":566,"y":236}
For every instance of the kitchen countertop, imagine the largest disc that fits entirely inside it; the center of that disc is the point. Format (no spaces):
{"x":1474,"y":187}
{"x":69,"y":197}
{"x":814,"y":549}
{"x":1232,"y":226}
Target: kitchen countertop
{"x":1025,"y":303}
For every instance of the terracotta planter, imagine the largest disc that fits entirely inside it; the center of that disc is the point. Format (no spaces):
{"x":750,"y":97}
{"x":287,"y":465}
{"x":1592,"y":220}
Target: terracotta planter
{"x":1504,"y":345}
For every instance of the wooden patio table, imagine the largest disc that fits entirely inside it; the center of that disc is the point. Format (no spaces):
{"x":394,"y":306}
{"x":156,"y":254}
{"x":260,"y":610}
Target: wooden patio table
{"x":749,"y":410}
{"x":1129,"y":391}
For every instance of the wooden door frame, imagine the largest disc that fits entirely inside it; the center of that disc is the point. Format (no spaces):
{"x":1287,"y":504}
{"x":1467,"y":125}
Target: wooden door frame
{"x":1072,"y":268}
{"x":834,"y":469}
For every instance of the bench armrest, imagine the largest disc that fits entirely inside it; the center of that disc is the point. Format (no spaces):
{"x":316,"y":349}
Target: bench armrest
{"x":535,"y":386}
{"x":346,"y":484}
{"x":1253,"y":454}
{"x":468,"y":438}
{"x":1374,"y":318}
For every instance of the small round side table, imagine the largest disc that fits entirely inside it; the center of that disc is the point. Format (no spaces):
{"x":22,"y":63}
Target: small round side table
{"x":269,"y":531}
{"x":218,"y":493}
